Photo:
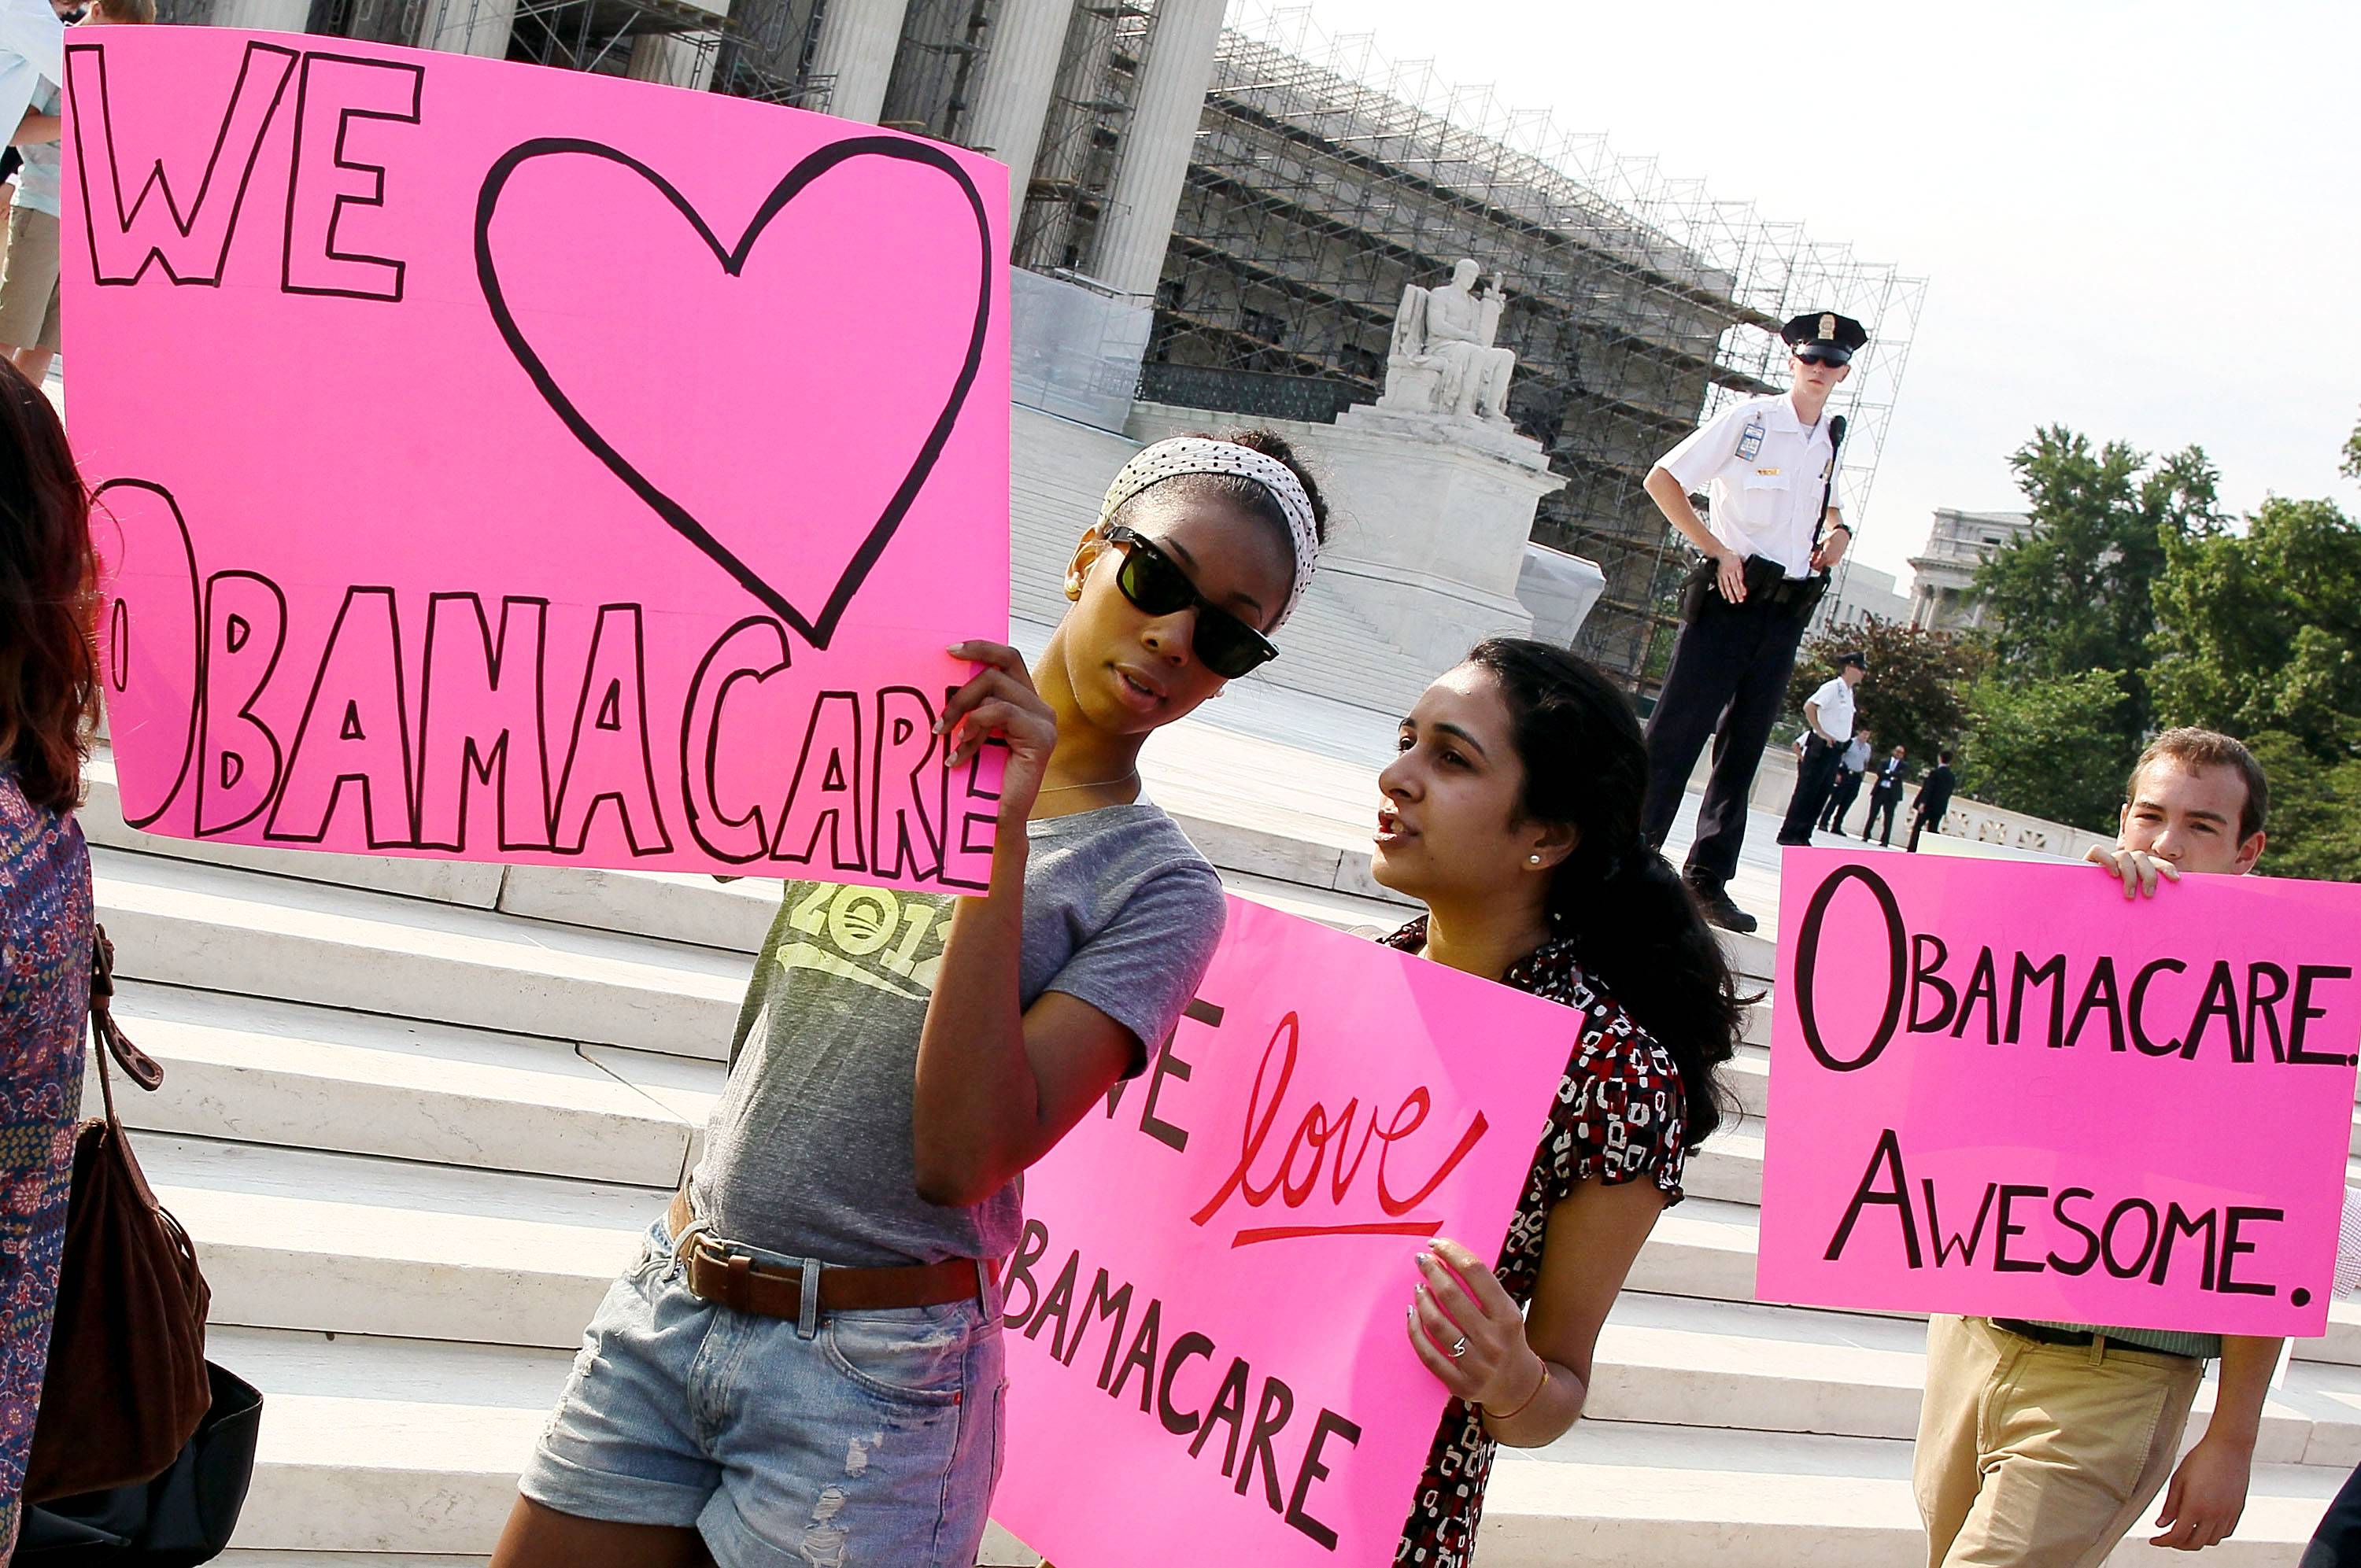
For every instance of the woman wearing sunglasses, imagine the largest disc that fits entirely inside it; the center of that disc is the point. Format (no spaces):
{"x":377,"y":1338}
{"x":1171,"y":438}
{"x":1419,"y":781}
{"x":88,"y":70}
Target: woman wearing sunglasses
{"x":1512,"y":811}
{"x":805,"y":1364}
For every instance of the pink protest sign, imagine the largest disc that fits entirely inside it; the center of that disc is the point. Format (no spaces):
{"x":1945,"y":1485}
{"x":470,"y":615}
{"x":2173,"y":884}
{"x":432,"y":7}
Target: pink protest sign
{"x":1208,"y":1355}
{"x":510,"y":463}
{"x":1998,"y":1088}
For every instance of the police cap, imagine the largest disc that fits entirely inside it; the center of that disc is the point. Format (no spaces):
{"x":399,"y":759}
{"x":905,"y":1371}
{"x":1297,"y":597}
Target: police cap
{"x":1837,"y":337}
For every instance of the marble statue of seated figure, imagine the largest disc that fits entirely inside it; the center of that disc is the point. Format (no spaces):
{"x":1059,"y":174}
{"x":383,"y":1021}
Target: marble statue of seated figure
{"x":1442,"y":360}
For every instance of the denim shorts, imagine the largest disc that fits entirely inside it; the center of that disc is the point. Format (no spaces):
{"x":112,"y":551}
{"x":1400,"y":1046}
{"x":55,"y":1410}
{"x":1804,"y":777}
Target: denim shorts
{"x":874,"y":1443}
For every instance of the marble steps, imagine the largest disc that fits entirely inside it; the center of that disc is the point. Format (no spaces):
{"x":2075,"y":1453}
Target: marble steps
{"x":1309,"y":863}
{"x":356,"y":1244}
{"x":396,"y":1453}
{"x":408,"y":1452}
{"x":350,"y":1244}
{"x":245,"y":1069}
{"x":215,"y":927}
{"x":1642,"y":1496}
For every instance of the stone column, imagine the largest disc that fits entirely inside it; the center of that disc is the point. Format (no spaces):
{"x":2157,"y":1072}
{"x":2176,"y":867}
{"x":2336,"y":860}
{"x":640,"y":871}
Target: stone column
{"x":1137,"y":227}
{"x":469,"y":27}
{"x":1020,"y":72}
{"x":265,"y":16}
{"x":858,"y":40}
{"x":676,"y":59}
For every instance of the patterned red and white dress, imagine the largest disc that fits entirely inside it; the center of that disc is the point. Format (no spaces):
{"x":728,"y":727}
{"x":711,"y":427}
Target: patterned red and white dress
{"x":45,"y":936}
{"x":1620,"y":1116}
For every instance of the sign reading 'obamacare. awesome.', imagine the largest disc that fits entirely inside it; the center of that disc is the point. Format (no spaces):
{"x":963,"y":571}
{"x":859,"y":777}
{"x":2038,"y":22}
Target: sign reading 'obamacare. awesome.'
{"x":1207,"y":1346}
{"x":1998,"y":1088}
{"x":510,"y":463}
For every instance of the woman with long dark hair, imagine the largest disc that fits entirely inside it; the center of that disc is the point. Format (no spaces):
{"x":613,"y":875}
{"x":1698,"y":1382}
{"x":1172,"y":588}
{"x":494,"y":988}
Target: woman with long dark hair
{"x":1512,"y":811}
{"x":48,"y":704}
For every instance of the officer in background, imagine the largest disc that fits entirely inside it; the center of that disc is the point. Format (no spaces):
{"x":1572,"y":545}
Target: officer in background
{"x":1766,"y":465}
{"x":1827,"y":727}
{"x":1850,"y":768}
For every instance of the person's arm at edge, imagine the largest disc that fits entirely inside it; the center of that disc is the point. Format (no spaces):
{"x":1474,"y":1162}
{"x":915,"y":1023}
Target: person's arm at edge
{"x":998,"y":1084}
{"x":2208,"y":1490}
{"x":34,"y":128}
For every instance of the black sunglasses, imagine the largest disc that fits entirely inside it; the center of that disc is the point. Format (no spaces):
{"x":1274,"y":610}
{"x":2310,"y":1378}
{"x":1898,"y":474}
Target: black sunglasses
{"x":1156,"y":585}
{"x":1811,"y":358}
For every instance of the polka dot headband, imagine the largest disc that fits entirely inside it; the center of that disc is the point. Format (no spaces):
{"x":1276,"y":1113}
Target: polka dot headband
{"x":1202,"y":455}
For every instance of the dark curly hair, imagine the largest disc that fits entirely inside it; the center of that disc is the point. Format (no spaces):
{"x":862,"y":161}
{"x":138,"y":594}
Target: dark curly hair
{"x":49,"y":601}
{"x":1631,"y":919}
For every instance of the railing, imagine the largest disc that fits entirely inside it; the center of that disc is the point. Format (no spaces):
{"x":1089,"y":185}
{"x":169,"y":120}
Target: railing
{"x":1255,"y":393}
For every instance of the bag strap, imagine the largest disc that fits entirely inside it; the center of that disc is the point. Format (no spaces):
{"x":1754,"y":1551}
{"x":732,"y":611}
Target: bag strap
{"x":1829,"y":490}
{"x":145,"y":1071}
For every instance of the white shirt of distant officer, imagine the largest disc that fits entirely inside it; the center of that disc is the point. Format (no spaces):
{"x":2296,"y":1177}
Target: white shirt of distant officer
{"x":1763,"y":505}
{"x":1830,"y":709}
{"x":2182,"y":818}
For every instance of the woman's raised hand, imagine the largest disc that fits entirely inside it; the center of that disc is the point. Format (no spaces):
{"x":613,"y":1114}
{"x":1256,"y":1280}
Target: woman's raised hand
{"x":1462,"y":1307}
{"x":999,"y":703}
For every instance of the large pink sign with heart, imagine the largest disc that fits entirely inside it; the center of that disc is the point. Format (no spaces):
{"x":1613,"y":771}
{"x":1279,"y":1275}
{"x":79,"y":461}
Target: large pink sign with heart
{"x":1209,"y":1357}
{"x":522,"y":464}
{"x":1999,"y":1088}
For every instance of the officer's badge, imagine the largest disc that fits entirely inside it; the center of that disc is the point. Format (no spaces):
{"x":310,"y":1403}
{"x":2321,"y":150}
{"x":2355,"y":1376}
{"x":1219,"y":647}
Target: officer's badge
{"x":1750,"y":444}
{"x":1828,"y":329}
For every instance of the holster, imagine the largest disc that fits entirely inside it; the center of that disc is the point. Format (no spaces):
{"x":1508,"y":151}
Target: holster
{"x":1767,"y":583}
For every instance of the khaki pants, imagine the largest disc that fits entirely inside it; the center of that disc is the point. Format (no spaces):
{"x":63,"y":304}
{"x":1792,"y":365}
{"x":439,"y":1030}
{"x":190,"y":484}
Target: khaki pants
{"x":2035,"y":1455}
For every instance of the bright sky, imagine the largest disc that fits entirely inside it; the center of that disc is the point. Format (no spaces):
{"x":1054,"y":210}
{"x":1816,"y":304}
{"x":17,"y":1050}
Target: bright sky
{"x":2138,"y":219}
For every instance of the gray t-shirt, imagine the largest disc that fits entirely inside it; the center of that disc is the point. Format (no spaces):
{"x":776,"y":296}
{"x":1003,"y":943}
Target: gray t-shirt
{"x":809,"y":1153}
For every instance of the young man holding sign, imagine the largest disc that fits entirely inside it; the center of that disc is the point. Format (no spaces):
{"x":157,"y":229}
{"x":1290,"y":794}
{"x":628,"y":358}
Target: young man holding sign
{"x":2041,"y":1443}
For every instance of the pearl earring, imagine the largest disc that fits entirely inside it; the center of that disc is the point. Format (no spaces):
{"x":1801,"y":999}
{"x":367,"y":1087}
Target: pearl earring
{"x":1536,"y":859}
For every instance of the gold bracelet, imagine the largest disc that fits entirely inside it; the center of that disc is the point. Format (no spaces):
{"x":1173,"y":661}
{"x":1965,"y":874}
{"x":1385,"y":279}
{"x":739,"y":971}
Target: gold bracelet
{"x":1511,"y":1415}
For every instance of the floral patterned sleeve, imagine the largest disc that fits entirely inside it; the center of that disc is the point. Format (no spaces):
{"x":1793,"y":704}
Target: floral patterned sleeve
{"x":1619,"y":1114}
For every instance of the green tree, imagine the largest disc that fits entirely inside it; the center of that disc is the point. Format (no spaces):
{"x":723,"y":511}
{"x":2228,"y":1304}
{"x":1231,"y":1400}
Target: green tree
{"x":1917,"y":691}
{"x":2350,"y":467}
{"x":2053,"y":748}
{"x":2261,"y":631}
{"x":2074,"y":595}
{"x":2315,"y":810}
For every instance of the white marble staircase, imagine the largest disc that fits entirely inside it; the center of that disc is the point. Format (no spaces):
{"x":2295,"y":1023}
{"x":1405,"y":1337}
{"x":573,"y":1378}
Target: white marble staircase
{"x":416,"y":1115}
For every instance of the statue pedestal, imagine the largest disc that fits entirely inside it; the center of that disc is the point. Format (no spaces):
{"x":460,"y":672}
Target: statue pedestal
{"x":1431,"y":518}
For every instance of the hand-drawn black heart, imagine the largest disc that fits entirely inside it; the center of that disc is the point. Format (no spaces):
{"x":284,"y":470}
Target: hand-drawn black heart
{"x":739,"y":541}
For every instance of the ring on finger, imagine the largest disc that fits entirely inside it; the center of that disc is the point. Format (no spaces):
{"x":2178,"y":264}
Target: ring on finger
{"x":1458,"y":1347}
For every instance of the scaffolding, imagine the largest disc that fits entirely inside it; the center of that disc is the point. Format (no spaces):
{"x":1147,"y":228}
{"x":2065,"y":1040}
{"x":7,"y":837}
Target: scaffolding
{"x":1082,"y":139}
{"x":1325,"y":178}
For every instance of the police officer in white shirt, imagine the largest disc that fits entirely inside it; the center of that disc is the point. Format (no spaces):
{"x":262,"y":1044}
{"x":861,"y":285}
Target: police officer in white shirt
{"x":1766,"y":464}
{"x":1827,"y":722}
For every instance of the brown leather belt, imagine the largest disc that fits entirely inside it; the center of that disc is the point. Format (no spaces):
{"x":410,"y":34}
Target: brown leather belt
{"x":736,"y":1281}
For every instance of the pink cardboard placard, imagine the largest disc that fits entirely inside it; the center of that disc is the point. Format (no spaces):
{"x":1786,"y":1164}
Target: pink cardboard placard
{"x":2001,"y":1089}
{"x":508,"y":463}
{"x":1208,"y":1355}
